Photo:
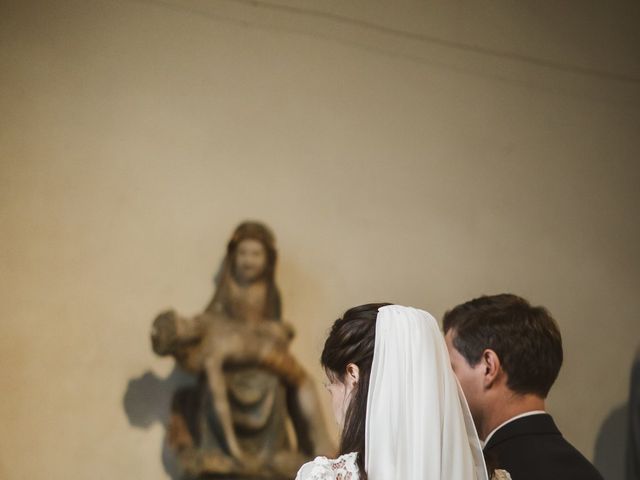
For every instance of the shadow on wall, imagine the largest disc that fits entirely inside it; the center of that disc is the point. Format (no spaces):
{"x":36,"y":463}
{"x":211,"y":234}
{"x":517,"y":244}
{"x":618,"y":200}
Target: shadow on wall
{"x":148,"y":400}
{"x":611,"y":444}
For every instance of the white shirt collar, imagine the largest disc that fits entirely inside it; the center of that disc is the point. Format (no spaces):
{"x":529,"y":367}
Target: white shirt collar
{"x":525,"y":414}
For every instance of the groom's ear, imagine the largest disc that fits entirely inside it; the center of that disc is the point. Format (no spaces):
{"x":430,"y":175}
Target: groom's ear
{"x":491,"y":367}
{"x":352,"y":374}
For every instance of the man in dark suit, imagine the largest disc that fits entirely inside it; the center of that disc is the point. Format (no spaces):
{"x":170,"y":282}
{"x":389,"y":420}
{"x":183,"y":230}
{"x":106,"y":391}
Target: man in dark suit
{"x":507,"y":355}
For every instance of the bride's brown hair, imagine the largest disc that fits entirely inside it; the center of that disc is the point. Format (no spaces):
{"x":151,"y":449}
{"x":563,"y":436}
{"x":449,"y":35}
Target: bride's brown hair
{"x":352,"y":340}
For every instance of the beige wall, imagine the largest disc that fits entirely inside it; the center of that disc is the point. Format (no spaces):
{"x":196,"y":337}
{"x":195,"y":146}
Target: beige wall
{"x":392,"y":166}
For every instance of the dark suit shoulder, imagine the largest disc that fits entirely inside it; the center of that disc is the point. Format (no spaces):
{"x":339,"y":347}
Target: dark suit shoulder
{"x":532,"y":448}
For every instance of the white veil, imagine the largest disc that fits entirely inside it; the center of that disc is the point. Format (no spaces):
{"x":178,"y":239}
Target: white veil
{"x":418,"y":424}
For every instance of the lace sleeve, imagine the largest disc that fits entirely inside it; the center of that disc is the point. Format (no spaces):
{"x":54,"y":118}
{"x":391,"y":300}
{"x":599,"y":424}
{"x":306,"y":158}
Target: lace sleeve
{"x":314,"y":471}
{"x":342,"y":468}
{"x":501,"y":475}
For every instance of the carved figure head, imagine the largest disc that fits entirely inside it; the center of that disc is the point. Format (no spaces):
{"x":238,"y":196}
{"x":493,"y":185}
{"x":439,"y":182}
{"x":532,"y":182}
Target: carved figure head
{"x":251,"y":253}
{"x":164,"y":333}
{"x":251,"y":256}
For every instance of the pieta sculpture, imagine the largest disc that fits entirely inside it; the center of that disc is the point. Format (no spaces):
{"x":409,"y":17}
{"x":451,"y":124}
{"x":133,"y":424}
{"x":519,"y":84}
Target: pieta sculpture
{"x":254,"y":412}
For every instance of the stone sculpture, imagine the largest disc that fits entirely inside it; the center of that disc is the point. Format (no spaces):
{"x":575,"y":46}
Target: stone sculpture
{"x":254,"y":412}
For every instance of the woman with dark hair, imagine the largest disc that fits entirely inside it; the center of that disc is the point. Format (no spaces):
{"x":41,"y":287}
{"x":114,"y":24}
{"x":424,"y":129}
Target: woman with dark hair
{"x":397,"y":401}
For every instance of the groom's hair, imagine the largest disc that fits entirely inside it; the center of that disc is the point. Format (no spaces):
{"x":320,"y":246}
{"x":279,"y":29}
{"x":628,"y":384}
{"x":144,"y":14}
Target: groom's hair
{"x":525,"y":338}
{"x":352,"y":340}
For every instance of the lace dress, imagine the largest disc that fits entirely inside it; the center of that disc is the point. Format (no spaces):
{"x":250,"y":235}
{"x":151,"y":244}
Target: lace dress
{"x":345,"y":468}
{"x":322,"y":468}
